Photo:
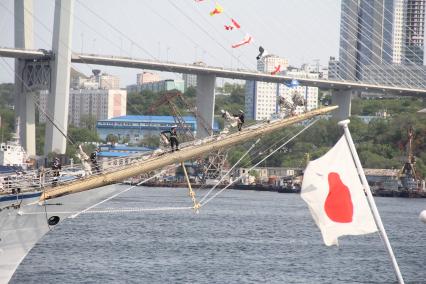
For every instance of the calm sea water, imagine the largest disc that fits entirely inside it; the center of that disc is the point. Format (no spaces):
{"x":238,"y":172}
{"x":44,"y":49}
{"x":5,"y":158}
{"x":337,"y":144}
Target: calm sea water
{"x":239,"y":237}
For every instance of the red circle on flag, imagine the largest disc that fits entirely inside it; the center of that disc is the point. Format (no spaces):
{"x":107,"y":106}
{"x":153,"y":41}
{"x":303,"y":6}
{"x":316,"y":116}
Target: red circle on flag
{"x":338,"y":205}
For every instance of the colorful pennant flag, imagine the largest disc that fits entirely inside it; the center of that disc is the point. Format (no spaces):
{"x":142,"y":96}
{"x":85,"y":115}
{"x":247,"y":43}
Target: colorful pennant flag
{"x":233,"y":25}
{"x":277,"y":69}
{"x":247,"y":39}
{"x":217,"y":10}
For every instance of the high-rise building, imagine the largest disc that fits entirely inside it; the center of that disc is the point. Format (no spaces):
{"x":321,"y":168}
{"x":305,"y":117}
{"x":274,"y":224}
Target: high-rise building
{"x":189,"y":80}
{"x":90,"y":103}
{"x":268,"y":63}
{"x":333,"y":68}
{"x":261,"y":98}
{"x":380,"y":32}
{"x":414,"y":14}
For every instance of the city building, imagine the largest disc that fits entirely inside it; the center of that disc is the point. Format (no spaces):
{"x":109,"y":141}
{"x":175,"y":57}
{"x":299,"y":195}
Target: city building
{"x":261,"y":98}
{"x":147,"y":77}
{"x":414,"y":28}
{"x":107,"y":81}
{"x":189,"y":80}
{"x":379,"y":33}
{"x":134,"y":128}
{"x":158,"y":86}
{"x":90,"y":103}
{"x":113,"y":155}
{"x":97,"y":81}
{"x":333,"y":69}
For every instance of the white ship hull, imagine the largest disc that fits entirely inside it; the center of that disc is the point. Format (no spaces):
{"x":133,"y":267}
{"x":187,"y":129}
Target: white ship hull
{"x":21,"y":228}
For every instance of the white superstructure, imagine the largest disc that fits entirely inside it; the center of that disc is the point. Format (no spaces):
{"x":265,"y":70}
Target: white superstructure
{"x":12,"y":153}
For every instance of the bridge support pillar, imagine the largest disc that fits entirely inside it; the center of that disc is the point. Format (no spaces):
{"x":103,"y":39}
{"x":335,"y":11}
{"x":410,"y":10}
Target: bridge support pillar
{"x":205,"y":102}
{"x":57,"y":105}
{"x":343,"y":100}
{"x":24,"y":104}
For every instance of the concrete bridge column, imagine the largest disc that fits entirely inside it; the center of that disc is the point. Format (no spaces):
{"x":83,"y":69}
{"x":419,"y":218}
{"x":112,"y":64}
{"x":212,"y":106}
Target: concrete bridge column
{"x":343,"y":100}
{"x":205,"y":102}
{"x":57,"y":105}
{"x":24,"y":104}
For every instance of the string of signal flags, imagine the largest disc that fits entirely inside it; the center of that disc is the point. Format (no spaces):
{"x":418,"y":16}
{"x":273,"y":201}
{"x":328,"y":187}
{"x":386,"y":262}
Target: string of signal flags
{"x":232,"y":24}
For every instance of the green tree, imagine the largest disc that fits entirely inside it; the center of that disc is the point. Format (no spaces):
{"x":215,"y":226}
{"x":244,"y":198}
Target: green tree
{"x":150,"y":141}
{"x":89,"y":122}
{"x":111,"y":138}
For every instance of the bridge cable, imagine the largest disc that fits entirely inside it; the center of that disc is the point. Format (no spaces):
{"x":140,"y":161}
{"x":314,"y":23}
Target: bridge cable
{"x":243,"y":52}
{"x":381,"y":66}
{"x":229,"y":171}
{"x":206,"y":33}
{"x":117,"y":194}
{"x":412,"y":64}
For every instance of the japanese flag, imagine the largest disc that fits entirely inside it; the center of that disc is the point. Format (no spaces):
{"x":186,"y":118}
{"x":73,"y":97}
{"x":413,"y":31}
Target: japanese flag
{"x":335,"y":196}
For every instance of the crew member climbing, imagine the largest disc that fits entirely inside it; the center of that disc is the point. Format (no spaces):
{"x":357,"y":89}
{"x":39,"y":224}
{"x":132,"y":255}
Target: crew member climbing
{"x":240,"y":116}
{"x":94,"y":160}
{"x":56,"y":167}
{"x":174,"y":143}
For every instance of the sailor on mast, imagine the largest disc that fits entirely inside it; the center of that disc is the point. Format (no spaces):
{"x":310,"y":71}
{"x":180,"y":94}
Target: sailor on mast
{"x":173,"y":138}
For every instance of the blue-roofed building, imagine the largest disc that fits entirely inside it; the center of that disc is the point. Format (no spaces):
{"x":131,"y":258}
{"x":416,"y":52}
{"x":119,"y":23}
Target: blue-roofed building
{"x":119,"y":154}
{"x":135,"y":127}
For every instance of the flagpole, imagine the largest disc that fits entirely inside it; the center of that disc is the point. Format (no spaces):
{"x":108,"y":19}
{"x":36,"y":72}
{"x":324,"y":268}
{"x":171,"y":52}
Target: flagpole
{"x":377,"y":219}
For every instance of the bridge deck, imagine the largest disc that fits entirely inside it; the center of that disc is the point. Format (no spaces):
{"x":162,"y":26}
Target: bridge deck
{"x":216,"y":71}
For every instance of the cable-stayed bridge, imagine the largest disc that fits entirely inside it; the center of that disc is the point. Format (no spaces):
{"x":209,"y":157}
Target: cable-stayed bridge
{"x":41,"y":69}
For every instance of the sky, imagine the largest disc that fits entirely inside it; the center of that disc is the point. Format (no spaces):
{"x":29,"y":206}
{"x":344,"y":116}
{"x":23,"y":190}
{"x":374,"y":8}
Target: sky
{"x":183,"y":31}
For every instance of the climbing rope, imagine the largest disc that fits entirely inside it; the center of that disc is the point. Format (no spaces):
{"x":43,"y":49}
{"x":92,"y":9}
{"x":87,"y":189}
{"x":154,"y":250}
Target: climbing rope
{"x":196,"y":205}
{"x":117,"y":194}
{"x":261,"y":161}
{"x":229,"y":171}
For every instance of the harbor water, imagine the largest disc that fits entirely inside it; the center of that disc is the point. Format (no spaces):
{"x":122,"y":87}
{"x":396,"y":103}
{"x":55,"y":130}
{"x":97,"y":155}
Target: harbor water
{"x":239,"y":237}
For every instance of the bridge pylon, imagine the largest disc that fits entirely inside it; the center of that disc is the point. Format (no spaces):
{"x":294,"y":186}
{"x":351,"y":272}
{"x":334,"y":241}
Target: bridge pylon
{"x":343,"y":100}
{"x":205,"y":103}
{"x":57,"y":105}
{"x":24,"y":104}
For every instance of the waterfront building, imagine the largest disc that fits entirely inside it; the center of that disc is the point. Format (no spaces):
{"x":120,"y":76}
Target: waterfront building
{"x":134,"y":128}
{"x":383,"y":178}
{"x":90,"y":103}
{"x":114,"y":155}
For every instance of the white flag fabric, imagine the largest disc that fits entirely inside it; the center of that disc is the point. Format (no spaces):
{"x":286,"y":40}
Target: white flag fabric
{"x":333,"y":191}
